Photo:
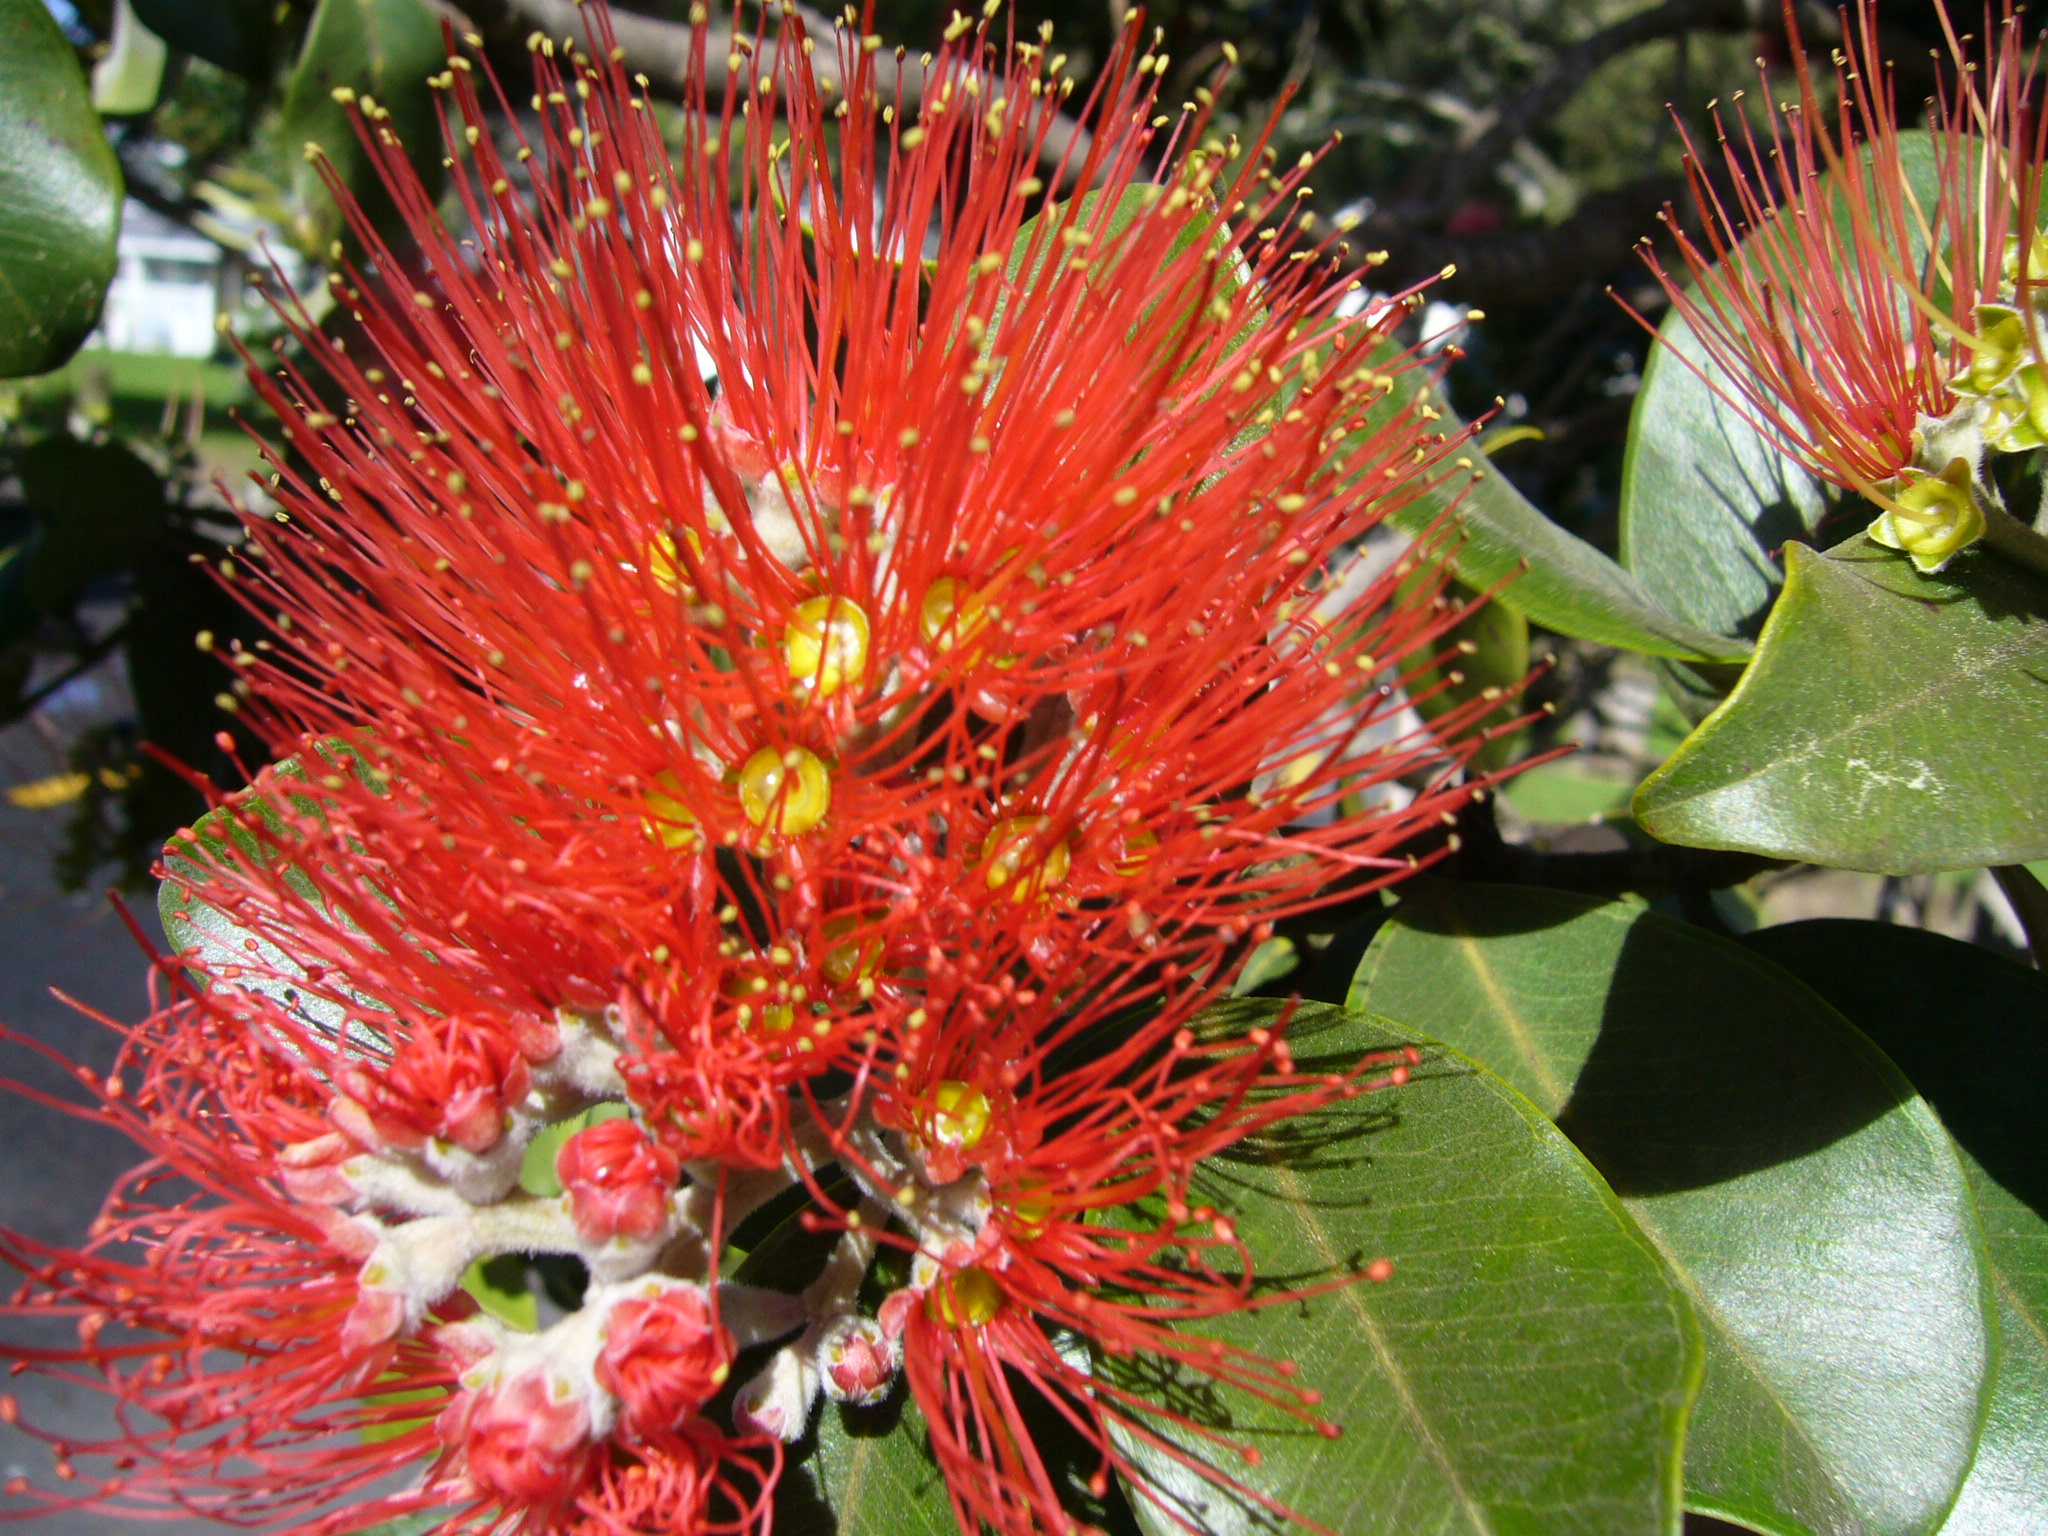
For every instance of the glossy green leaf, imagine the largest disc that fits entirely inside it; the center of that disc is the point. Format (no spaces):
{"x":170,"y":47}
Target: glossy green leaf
{"x":1810,"y":1202}
{"x":1525,"y":1369}
{"x":864,"y":1472}
{"x":1890,"y":722}
{"x":382,"y":49}
{"x":1971,"y":1031}
{"x":60,"y":195}
{"x":1558,"y":580}
{"x":248,"y":831}
{"x":130,"y":77}
{"x":1707,"y":502}
{"x":1492,"y":642}
{"x":239,"y":36}
{"x":500,"y":1288}
{"x":96,"y":507}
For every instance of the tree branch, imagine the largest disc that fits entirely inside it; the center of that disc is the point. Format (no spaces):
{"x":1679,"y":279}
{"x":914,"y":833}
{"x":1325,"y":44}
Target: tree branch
{"x":1559,"y":80}
{"x":663,"y":51}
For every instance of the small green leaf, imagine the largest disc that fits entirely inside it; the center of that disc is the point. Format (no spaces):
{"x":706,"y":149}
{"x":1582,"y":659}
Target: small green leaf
{"x":500,"y":1288}
{"x":537,"y":1168}
{"x":383,"y":49}
{"x":1526,"y":1368}
{"x":1810,"y":1203}
{"x":60,"y":195}
{"x":1890,"y":722}
{"x":1967,"y":1027}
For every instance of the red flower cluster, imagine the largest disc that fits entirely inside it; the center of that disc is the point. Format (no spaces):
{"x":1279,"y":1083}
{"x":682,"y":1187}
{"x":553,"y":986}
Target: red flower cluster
{"x":1871,"y":299}
{"x":810,"y":642}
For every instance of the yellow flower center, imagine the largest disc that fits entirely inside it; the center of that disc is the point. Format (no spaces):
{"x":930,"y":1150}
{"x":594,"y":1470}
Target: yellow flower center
{"x":970,"y":1298}
{"x":763,"y":1004}
{"x":2000,"y":347}
{"x":1029,"y":1211}
{"x":1935,"y":517}
{"x":668,"y":820}
{"x":950,"y":614}
{"x":1015,"y":856}
{"x":664,"y":565}
{"x":787,"y":791}
{"x":826,"y":644}
{"x":849,"y":955}
{"x":960,"y":1113}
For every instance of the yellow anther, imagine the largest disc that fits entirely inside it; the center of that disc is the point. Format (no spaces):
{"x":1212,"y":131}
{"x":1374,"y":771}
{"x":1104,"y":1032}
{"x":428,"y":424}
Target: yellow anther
{"x":960,"y":1115}
{"x":826,"y":644}
{"x":1139,"y":845}
{"x":663,"y":564}
{"x":1015,"y":855}
{"x":785,"y":791}
{"x":950,"y":614}
{"x":970,"y":1298}
{"x":851,"y":954}
{"x":1029,"y":1210}
{"x":669,"y":821}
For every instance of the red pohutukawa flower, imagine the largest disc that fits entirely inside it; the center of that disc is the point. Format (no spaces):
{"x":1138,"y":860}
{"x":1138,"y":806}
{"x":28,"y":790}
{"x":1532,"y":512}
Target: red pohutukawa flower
{"x":828,"y":658}
{"x":1869,"y":297}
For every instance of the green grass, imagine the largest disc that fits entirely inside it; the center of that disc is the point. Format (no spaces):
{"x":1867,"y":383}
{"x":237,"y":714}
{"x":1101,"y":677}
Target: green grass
{"x":124,"y":376}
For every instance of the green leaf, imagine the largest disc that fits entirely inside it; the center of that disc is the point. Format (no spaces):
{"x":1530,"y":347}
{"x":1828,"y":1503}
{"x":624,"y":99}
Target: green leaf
{"x":130,"y":78}
{"x":383,"y":49}
{"x":60,"y":195}
{"x":1811,"y":1204}
{"x":1707,"y":502}
{"x":1559,"y":580}
{"x":224,"y":839}
{"x":500,"y":1288}
{"x":1967,"y":1027}
{"x":97,"y":507}
{"x":537,"y":1168}
{"x":238,"y":36}
{"x":1493,"y":653}
{"x":1525,"y":1369}
{"x":864,"y":1472}
{"x":1890,"y":722}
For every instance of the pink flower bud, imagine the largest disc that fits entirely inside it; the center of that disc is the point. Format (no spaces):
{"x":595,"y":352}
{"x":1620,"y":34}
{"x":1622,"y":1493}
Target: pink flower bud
{"x":618,"y":1182}
{"x":523,"y":1441}
{"x":311,"y":1170}
{"x":859,"y":1361}
{"x":664,"y":1356}
{"x":777,"y":1402}
{"x":377,"y":1317}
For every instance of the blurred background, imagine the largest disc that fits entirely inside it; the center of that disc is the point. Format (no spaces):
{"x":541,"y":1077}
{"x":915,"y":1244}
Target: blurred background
{"x":1527,"y":144}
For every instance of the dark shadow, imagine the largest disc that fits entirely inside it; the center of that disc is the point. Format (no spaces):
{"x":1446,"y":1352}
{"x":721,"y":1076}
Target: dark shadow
{"x":1688,"y":1084}
{"x":1968,"y":1028}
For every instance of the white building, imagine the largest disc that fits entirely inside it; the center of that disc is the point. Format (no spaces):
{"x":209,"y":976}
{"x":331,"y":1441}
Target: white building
{"x":167,"y":290}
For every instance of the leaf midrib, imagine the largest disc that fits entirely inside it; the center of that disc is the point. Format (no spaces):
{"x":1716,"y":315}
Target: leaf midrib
{"x":1369,"y":1327}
